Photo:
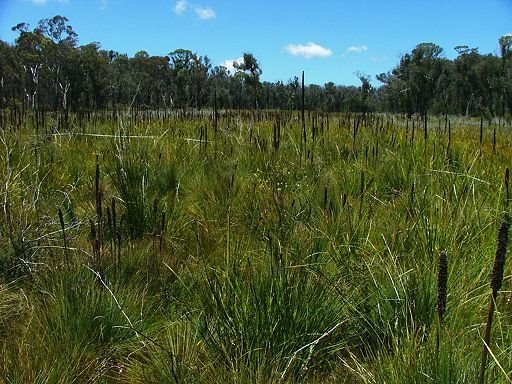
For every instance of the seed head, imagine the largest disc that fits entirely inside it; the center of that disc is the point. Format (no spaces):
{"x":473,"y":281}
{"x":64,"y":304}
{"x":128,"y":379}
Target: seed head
{"x":442,"y":279}
{"x":499,"y":260}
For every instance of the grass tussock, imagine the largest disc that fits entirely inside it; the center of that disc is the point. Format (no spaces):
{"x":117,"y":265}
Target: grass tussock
{"x":260,"y":253}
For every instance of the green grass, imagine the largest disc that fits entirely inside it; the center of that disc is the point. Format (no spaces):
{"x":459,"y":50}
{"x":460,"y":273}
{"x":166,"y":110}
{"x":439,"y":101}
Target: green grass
{"x":241,"y":261}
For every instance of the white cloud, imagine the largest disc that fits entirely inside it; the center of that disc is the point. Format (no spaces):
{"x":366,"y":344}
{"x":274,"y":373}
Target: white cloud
{"x":229,"y":64}
{"x":180,"y":7}
{"x":204,"y":13}
{"x":308,"y":51}
{"x":357,"y":48}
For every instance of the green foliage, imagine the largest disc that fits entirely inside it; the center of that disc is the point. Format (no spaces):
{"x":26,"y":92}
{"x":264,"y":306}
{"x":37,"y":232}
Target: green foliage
{"x":46,"y":70}
{"x":272,"y":319}
{"x":246,"y":255}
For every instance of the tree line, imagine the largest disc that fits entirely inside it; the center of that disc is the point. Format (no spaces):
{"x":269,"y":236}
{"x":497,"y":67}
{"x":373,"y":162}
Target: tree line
{"x":47,"y":70}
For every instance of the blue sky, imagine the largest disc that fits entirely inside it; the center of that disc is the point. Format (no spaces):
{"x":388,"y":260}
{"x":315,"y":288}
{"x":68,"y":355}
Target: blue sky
{"x":330,"y":40}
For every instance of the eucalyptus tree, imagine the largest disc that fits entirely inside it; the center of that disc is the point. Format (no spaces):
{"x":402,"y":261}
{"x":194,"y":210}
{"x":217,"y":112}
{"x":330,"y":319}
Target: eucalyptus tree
{"x":446,"y":99}
{"x":314,"y":97}
{"x":424,"y":69}
{"x":141,"y":76}
{"x":488,"y":70}
{"x":58,"y":30}
{"x":330,"y":93}
{"x":413,"y":82}
{"x":152,"y":76}
{"x":9,"y":74}
{"x":390,"y":92}
{"x":293,"y":85}
{"x":123,"y":88}
{"x":159,"y":71}
{"x":94,"y":88}
{"x":506,"y":71}
{"x":48,"y":57}
{"x":366,"y":90}
{"x":200,"y":69}
{"x":29,"y":47}
{"x":248,"y":71}
{"x":477,"y":82}
{"x":189,"y":73}
{"x":219,"y":85}
{"x":467,"y":79}
{"x":60,"y":58}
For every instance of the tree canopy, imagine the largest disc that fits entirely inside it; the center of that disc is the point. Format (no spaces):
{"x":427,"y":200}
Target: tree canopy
{"x":47,"y":69}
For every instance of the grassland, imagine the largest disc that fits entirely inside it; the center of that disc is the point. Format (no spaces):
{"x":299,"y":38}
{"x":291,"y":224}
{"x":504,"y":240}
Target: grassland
{"x":192,"y":248}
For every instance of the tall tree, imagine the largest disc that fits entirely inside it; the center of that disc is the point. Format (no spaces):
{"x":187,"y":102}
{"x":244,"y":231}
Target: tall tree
{"x":9,"y":68}
{"x":189,"y":75}
{"x":249,"y":71}
{"x":366,"y":89}
{"x":414,"y":80}
{"x":506,"y":71}
{"x":94,"y":88}
{"x":29,"y":51}
{"x":60,"y":57}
